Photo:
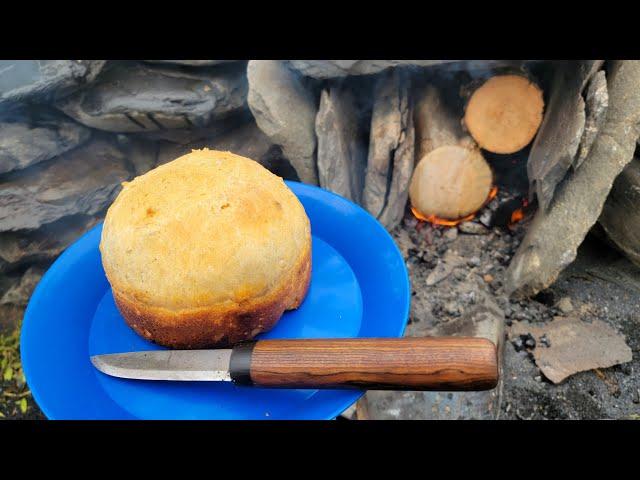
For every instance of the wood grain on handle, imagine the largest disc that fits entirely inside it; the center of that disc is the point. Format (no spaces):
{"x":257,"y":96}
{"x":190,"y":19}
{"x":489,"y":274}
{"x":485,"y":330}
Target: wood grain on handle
{"x":438,"y":363}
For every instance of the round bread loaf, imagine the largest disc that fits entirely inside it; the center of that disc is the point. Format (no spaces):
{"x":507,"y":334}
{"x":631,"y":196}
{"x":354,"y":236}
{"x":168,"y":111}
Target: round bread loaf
{"x":207,"y":250}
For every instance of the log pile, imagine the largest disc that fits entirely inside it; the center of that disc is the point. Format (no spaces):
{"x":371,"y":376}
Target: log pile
{"x":452,"y":178}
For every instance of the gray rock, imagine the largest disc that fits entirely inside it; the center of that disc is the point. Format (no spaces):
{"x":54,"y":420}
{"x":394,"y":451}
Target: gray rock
{"x":391,"y":150}
{"x":285,"y":110}
{"x":193,"y":63}
{"x":451,"y":234}
{"x":192,"y":134}
{"x":473,"y":228}
{"x":31,"y":139}
{"x":556,"y":144}
{"x":564,"y":305}
{"x":620,"y":216}
{"x":597,"y":102}
{"x":452,"y":308}
{"x":575,"y":346}
{"x":442,"y":271}
{"x":342,"y":152}
{"x":246,"y":140}
{"x":445,"y":266}
{"x":82,"y":181}
{"x":21,"y":248}
{"x":44,"y":80}
{"x":141,"y":154}
{"x":19,"y":293}
{"x":552,"y":239}
{"x":340,"y":68}
{"x":141,"y":98}
{"x":474,"y":262}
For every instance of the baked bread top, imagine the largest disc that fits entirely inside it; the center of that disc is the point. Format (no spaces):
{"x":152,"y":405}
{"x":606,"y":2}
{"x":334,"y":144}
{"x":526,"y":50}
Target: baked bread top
{"x":207,"y":229}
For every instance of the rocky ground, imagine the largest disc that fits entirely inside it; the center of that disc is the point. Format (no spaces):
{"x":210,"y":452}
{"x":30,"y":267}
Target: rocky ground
{"x":599,"y":285}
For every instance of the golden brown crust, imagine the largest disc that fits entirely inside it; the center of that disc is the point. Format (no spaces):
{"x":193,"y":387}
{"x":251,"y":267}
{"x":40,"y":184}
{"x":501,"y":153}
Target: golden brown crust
{"x":217,"y":326}
{"x":207,"y":250}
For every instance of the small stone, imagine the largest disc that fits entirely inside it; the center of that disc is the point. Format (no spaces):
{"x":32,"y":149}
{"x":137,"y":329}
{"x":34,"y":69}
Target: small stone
{"x":473,"y":261}
{"x":564,"y":305}
{"x":452,"y":308}
{"x":469,"y":297}
{"x":473,"y":228}
{"x":459,"y":274}
{"x":545,"y":341}
{"x":518,"y":344}
{"x":486,"y":218}
{"x":442,"y":271}
{"x":451,"y":234}
{"x":410,"y":221}
{"x":488,"y":278}
{"x":530,"y":342}
{"x":538,"y":378}
{"x":636,"y":397}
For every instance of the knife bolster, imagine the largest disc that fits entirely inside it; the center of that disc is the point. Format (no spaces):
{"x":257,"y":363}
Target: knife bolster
{"x":240,"y":363}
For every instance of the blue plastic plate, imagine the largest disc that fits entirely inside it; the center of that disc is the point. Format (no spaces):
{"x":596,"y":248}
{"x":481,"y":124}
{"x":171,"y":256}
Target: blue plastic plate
{"x":359,"y":288}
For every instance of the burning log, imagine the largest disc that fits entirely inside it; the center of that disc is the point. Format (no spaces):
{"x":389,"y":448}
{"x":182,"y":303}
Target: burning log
{"x":452,"y":179}
{"x":504,"y":113}
{"x":552,"y":240}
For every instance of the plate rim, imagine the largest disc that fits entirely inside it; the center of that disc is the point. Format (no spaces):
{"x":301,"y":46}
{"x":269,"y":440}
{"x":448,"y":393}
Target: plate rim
{"x":351,"y":396}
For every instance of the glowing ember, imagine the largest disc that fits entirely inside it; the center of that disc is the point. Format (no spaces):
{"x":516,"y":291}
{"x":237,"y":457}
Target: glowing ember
{"x":518,"y":214}
{"x":452,"y":223}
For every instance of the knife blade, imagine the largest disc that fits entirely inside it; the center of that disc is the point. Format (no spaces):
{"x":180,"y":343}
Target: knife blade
{"x":430,"y":363}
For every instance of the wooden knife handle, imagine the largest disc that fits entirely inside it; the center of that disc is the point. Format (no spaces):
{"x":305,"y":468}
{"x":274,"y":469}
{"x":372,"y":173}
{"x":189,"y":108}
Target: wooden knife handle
{"x":431,"y":363}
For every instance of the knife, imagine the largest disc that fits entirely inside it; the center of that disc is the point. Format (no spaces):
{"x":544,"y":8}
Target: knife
{"x":430,"y":363}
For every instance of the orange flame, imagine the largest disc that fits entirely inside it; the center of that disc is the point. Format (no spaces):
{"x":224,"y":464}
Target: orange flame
{"x":517,"y":215}
{"x":452,"y":223}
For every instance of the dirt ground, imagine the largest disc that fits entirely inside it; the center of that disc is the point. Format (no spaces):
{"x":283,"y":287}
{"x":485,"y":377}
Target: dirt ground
{"x":609,"y":286}
{"x":600,"y":284}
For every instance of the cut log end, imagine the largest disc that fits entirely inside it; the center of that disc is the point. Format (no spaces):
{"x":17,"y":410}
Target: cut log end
{"x":504,"y":114}
{"x":450,"y":182}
